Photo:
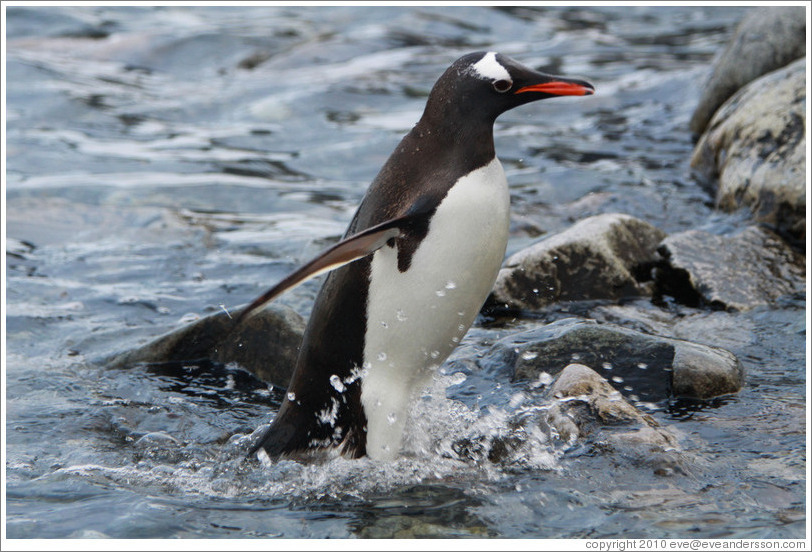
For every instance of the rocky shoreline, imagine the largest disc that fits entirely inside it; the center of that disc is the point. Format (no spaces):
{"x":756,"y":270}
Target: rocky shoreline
{"x":749,"y":154}
{"x":751,"y":122}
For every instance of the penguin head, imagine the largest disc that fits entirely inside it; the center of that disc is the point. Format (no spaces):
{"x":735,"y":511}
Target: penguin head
{"x":483,"y":85}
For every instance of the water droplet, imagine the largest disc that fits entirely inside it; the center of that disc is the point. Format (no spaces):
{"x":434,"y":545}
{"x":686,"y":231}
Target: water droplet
{"x":391,"y":418}
{"x":291,"y":396}
{"x":401,"y":316}
{"x":450,"y":285}
{"x":461,"y":327}
{"x":617,"y":379}
{"x":642,"y":365}
{"x":536,"y":290}
{"x":460,"y":313}
{"x":336,"y":382}
{"x":381,"y":356}
{"x":606,"y":365}
{"x":575,"y":356}
{"x":529,"y":355}
{"x":544,"y":379}
{"x":455,"y":339}
{"x":434,"y":354}
{"x":440,"y":293}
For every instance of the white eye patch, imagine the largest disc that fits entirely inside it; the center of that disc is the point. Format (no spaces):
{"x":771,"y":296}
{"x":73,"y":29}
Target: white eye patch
{"x":489,"y":69}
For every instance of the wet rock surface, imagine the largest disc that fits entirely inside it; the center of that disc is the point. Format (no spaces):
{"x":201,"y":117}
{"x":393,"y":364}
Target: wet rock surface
{"x":741,"y":271}
{"x":754,"y":150}
{"x":266,"y":344}
{"x":644,"y":367}
{"x":765,"y":40}
{"x":585,"y":406}
{"x":602,"y":257}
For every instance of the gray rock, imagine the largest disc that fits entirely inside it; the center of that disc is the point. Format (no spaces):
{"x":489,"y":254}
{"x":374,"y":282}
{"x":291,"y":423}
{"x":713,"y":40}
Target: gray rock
{"x":765,"y":40}
{"x":412,"y":527}
{"x":644,"y":367}
{"x":156,"y":438}
{"x":586,"y":406}
{"x":265,"y":344}
{"x":597,"y":258}
{"x":737,"y":272}
{"x":754,"y":151}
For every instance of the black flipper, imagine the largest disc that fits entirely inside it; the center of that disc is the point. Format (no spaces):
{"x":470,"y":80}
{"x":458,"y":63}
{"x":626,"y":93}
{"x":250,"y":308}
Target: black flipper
{"x":346,"y":251}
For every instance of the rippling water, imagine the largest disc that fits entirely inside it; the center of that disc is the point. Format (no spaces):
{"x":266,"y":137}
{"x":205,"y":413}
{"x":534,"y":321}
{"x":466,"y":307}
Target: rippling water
{"x":164,"y":163}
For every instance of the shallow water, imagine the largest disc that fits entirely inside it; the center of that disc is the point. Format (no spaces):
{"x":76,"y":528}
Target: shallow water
{"x":166,"y":163}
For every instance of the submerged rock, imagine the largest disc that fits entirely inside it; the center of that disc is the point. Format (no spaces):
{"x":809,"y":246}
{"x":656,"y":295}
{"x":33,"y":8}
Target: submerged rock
{"x":754,"y":151}
{"x":601,"y":257}
{"x":586,"y":406}
{"x":737,"y":272}
{"x":645,"y":367}
{"x":266,"y":344}
{"x":765,"y":40}
{"x":412,"y":527}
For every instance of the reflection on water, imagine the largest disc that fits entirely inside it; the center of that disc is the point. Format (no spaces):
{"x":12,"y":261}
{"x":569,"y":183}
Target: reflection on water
{"x":165,"y":163}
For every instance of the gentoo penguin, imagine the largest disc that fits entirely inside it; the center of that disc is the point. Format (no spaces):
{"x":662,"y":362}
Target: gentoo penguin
{"x":413,"y":269}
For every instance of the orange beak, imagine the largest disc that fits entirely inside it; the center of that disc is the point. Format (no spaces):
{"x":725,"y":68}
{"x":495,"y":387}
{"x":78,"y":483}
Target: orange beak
{"x":558,"y":88}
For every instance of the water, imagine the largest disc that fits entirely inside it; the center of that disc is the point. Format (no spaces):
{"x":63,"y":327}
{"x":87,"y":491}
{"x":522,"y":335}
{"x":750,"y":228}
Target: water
{"x":166,"y":163}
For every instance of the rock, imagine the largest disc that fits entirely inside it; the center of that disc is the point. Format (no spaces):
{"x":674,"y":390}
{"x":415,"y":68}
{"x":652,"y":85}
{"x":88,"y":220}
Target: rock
{"x":586,"y":405}
{"x":412,"y":527}
{"x":606,"y":405}
{"x":737,"y":272}
{"x":266,"y":344}
{"x":156,"y":438}
{"x":644,"y":367}
{"x":598,"y":258}
{"x":765,"y":40}
{"x":754,"y":151}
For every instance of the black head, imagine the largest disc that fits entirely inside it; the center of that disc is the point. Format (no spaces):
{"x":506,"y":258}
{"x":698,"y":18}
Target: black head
{"x":483,"y":85}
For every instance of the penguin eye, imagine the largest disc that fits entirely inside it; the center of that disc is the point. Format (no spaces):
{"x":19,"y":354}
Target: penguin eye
{"x":502,"y":85}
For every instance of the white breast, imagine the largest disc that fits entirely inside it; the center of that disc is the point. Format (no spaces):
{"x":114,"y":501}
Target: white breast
{"x":416,"y":318}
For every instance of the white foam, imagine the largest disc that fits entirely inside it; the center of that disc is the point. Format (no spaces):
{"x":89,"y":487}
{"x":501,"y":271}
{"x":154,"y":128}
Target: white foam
{"x":490,"y":69}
